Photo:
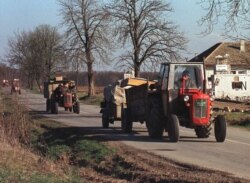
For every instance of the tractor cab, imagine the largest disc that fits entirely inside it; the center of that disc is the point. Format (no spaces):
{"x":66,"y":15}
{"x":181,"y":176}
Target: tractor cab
{"x":183,"y":93}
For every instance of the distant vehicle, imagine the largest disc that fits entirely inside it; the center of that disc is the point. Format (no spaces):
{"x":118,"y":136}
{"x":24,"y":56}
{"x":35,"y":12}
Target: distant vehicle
{"x":61,"y":93}
{"x":5,"y":83}
{"x":16,"y":86}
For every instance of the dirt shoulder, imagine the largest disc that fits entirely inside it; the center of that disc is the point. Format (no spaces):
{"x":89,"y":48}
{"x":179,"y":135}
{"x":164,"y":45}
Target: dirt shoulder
{"x":231,"y":105}
{"x":146,"y":167}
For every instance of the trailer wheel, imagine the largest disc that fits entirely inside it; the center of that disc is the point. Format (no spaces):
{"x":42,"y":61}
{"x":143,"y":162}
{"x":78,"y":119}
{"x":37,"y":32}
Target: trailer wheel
{"x":48,"y":105}
{"x":105,"y":119}
{"x":52,"y":106}
{"x":202,"y":131}
{"x":220,"y":128}
{"x":154,"y":121}
{"x":173,"y":130}
{"x":126,"y":121}
{"x":56,"y":107}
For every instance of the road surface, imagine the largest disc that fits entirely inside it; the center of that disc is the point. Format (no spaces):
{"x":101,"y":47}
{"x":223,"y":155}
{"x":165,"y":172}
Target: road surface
{"x":232,"y":156}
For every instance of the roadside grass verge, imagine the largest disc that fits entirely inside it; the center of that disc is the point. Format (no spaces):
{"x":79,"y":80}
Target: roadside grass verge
{"x":56,"y":141}
{"x":237,"y":119}
{"x":92,"y":100}
{"x":20,"y":147}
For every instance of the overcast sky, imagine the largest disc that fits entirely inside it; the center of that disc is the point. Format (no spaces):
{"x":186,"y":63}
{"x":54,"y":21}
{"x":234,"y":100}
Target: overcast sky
{"x":19,"y":15}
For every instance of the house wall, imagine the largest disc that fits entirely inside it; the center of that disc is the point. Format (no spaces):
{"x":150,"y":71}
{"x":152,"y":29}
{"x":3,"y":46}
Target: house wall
{"x":231,"y":86}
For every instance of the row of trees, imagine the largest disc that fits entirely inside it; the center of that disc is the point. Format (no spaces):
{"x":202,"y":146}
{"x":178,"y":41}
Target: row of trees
{"x":141,"y":29}
{"x":36,"y":53}
{"x":141,"y":26}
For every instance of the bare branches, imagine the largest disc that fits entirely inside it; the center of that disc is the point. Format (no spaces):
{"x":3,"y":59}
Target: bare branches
{"x":87,"y":32}
{"x":37,"y":53}
{"x":235,"y":12}
{"x":140,"y":23}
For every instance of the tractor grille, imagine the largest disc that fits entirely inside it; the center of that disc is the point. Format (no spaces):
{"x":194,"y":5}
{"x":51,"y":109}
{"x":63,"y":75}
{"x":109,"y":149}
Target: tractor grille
{"x":200,"y":108}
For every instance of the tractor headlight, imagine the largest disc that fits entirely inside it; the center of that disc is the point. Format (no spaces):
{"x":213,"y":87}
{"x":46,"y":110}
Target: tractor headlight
{"x":186,"y":98}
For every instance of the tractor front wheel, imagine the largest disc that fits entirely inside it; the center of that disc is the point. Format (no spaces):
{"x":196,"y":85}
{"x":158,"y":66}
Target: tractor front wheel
{"x":202,"y":131}
{"x":127,"y":124}
{"x":173,"y":128}
{"x":220,"y":128}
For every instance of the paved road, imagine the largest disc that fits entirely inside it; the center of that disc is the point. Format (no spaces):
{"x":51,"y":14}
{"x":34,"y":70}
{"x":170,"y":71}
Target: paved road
{"x":232,"y":156}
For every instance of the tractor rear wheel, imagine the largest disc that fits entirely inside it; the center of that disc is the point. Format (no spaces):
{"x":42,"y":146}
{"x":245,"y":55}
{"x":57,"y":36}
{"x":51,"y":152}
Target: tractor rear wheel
{"x":127,"y":124}
{"x":202,"y":131}
{"x":220,"y":128}
{"x":173,"y":128}
{"x":77,"y":108}
{"x":105,"y":119}
{"x":155,"y":118}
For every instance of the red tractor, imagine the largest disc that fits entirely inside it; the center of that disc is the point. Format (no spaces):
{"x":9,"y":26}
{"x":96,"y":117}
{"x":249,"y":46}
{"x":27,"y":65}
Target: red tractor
{"x":16,"y":87}
{"x":180,"y":98}
{"x":61,"y":93}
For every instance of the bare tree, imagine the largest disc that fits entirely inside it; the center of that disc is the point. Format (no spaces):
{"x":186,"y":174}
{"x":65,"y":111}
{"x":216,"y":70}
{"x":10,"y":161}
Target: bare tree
{"x":234,"y":13}
{"x":87,"y":33}
{"x":142,"y":26}
{"x":47,"y":43}
{"x":36,"y":53}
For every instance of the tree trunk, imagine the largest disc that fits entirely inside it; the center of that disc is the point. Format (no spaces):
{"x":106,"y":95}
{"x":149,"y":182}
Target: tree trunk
{"x":137,"y":69}
{"x":39,"y":86}
{"x":77,"y":75}
{"x":91,"y":88}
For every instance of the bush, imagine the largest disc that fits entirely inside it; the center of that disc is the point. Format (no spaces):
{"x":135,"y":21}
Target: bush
{"x":14,"y":123}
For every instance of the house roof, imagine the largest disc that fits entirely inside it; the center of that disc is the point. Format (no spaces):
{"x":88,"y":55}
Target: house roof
{"x":236,"y":57}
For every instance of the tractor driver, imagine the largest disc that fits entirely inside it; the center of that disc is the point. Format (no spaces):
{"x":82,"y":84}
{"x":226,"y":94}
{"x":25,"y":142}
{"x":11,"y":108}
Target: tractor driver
{"x":72,"y":87}
{"x":185,"y":81}
{"x":59,"y":90}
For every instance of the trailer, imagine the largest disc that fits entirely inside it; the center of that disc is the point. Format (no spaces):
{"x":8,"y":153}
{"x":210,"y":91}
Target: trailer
{"x":135,"y":108}
{"x":118,"y":96}
{"x":111,"y":106}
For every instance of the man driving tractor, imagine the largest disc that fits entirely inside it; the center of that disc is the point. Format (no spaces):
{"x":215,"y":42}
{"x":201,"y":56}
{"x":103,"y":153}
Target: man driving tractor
{"x":185,"y":81}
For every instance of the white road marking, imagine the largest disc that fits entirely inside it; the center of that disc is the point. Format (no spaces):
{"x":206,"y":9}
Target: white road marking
{"x":228,"y":140}
{"x":238,"y":142}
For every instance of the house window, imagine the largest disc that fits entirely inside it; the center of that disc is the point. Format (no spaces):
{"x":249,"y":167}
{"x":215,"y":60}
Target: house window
{"x":237,"y":85}
{"x":242,"y":72}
